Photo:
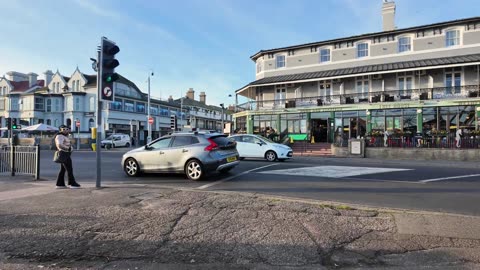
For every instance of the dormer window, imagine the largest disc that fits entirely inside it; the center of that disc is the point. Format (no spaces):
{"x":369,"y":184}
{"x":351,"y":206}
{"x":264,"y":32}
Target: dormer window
{"x":280,"y":61}
{"x":324,"y":55}
{"x":404,"y":44}
{"x":452,"y":38}
{"x":362,"y":50}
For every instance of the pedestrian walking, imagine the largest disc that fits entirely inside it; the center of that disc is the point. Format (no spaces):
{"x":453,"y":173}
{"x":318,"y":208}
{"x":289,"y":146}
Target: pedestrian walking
{"x":64,"y":151}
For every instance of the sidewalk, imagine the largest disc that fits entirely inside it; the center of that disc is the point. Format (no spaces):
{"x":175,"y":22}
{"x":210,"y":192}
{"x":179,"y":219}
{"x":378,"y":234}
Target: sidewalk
{"x":146,"y":227}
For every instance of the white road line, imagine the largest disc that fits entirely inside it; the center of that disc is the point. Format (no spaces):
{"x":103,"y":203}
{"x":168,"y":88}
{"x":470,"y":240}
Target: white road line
{"x":233,"y":176}
{"x":447,"y":178}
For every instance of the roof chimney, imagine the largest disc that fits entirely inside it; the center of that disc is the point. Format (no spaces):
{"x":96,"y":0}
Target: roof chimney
{"x":388,"y":15}
{"x":170,"y":98}
{"x":203,"y":97}
{"x":48,"y":77}
{"x":191,"y":94}
{"x":32,"y":79}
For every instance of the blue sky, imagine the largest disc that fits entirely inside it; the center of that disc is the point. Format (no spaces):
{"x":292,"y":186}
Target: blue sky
{"x":203,"y":44}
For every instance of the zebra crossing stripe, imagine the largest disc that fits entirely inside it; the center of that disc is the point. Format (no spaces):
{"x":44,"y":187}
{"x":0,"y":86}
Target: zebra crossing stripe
{"x":333,"y":171}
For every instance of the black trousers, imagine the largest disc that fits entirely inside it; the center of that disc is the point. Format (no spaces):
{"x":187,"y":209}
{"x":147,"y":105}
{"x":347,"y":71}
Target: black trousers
{"x":67,"y":166}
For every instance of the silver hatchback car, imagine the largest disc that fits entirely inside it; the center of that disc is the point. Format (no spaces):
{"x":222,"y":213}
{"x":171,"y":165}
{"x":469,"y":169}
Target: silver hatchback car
{"x":194,"y":154}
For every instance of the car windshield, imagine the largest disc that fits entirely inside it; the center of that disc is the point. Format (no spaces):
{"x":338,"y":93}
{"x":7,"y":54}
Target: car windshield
{"x":109,"y":138}
{"x":265,"y":139}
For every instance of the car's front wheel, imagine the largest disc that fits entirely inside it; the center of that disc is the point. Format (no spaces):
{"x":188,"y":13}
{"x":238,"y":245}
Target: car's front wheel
{"x":194,"y":170}
{"x":270,"y":155}
{"x":131,"y":167}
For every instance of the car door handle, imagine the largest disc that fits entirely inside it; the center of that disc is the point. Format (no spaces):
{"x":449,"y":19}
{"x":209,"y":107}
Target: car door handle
{"x":184,"y":150}
{"x":161,"y":153}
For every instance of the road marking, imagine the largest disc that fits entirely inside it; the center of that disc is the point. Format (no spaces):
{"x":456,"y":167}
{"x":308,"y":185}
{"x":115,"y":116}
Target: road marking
{"x":233,"y":176}
{"x":333,"y":171}
{"x":447,"y":178}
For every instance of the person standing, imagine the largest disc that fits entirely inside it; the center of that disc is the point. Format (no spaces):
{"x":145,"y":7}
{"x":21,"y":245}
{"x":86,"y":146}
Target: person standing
{"x":458,"y":137}
{"x":62,"y":142}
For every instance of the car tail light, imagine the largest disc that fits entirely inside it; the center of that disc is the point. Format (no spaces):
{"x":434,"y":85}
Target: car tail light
{"x":213,"y":146}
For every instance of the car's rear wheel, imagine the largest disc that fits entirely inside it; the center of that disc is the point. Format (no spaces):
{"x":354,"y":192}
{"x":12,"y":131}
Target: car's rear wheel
{"x":194,"y":170}
{"x":270,"y":155}
{"x":131,"y":167}
{"x":127,"y":145}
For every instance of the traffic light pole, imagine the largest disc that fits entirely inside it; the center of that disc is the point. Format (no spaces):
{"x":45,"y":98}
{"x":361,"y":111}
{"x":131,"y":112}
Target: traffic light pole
{"x":149,"y":137}
{"x":99,"y":115}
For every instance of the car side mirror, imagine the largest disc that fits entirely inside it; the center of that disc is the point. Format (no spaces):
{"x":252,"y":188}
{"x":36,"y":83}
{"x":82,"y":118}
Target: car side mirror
{"x":148,"y":147}
{"x":260,"y":143}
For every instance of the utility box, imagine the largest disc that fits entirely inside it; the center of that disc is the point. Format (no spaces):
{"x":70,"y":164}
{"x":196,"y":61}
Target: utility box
{"x":356,"y":148}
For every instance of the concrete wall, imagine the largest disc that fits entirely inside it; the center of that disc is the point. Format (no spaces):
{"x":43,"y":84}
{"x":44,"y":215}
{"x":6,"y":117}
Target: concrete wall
{"x":383,"y":48}
{"x":414,"y":153}
{"x":429,"y":43}
{"x":472,"y":37}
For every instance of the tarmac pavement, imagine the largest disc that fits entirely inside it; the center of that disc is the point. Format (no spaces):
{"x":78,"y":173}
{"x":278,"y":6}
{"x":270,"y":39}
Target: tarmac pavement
{"x":147,"y":227}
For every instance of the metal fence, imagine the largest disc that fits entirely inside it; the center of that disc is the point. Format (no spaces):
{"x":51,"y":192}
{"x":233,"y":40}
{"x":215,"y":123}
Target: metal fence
{"x":20,"y":159}
{"x":445,"y":142}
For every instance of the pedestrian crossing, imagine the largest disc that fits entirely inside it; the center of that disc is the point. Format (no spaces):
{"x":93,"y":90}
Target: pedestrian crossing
{"x":333,"y":171}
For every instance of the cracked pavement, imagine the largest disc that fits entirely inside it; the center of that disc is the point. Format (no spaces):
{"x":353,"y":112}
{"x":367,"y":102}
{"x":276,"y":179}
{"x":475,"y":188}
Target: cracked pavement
{"x":144,"y":227}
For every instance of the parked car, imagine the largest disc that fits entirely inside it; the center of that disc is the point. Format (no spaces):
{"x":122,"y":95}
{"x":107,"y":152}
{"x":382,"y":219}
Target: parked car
{"x":116,"y":140}
{"x":253,"y":146}
{"x":194,"y":154}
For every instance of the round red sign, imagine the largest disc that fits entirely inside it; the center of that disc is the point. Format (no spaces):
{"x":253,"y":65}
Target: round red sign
{"x":150,"y":120}
{"x":77,"y":123}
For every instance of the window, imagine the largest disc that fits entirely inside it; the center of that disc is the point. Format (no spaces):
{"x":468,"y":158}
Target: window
{"x":160,"y":144}
{"x":405,"y":85}
{"x":453,"y":82}
{"x":49,"y":105}
{"x":404,"y":44}
{"x":325,"y":89}
{"x":49,"y":122}
{"x":154,"y":110}
{"x":259,"y":67}
{"x":14,"y":106}
{"x":77,"y":104}
{"x":91,"y":102}
{"x":452,"y":38}
{"x":56,"y":123}
{"x":140,"y":107}
{"x":39,"y":104}
{"x":362,"y":88}
{"x":128,"y":106}
{"x":182,"y":141}
{"x":325,"y":55}
{"x":57,"y":105}
{"x":362,"y":50}
{"x":280,"y":61}
{"x":116,"y":105}
{"x":164,"y":111}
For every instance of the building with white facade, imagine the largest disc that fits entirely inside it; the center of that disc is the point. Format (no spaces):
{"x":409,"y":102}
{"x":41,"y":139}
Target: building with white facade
{"x":418,"y":80}
{"x":59,"y":99}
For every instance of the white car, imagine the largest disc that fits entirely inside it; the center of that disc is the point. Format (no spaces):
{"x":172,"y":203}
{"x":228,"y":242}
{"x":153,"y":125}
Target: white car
{"x":253,"y":146}
{"x":116,"y":140}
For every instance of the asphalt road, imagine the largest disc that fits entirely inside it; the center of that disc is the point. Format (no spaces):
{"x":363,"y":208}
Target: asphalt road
{"x":434,"y":186}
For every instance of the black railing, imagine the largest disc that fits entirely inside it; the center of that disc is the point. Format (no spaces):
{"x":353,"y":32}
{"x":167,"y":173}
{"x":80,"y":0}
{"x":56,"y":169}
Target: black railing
{"x":456,"y":92}
{"x":435,"y":141}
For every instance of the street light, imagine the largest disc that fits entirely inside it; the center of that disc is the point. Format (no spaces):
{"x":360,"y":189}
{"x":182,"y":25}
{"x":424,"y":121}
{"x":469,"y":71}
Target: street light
{"x":221,"y":105}
{"x":149,"y":137}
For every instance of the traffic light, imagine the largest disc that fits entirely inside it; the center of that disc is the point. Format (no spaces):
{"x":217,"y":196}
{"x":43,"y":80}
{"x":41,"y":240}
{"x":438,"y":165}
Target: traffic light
{"x":9,"y":123}
{"x":109,"y":63}
{"x":173,"y":122}
{"x":14,"y":123}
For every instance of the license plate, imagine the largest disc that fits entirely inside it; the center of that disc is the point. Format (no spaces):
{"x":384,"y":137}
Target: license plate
{"x":230,"y":159}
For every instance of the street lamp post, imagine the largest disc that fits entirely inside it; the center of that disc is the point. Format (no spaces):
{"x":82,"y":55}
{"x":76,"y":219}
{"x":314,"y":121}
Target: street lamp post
{"x":223,"y":129}
{"x":78,"y":134}
{"x":149,"y":137}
